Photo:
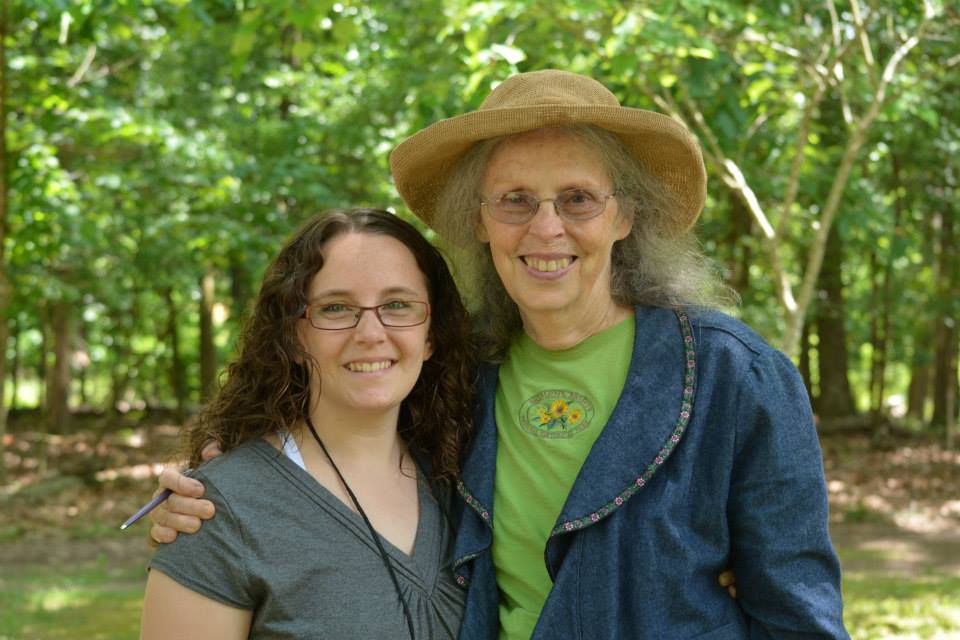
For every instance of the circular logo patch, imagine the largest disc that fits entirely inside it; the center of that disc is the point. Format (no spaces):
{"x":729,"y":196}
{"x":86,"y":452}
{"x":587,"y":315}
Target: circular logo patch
{"x":556,"y":414}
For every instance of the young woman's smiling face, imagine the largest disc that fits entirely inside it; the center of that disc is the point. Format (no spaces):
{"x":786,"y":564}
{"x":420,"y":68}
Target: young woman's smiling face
{"x":551,"y":265}
{"x":369,"y":368}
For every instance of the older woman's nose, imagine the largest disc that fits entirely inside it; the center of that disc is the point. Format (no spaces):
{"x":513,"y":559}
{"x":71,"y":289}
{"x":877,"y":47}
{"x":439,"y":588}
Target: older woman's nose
{"x":546,"y":221}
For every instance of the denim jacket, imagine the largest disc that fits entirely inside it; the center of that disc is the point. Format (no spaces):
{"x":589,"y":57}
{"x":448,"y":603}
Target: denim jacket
{"x":710,"y":460}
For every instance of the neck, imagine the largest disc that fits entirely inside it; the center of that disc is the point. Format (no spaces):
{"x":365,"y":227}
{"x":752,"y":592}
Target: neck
{"x":558,"y":330}
{"x":371,"y":440}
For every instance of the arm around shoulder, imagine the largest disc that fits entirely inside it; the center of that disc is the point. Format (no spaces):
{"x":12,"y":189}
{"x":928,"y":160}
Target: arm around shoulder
{"x":788,"y":574}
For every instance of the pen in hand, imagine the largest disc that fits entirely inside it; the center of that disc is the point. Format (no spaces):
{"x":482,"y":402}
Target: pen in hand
{"x":150,"y":506}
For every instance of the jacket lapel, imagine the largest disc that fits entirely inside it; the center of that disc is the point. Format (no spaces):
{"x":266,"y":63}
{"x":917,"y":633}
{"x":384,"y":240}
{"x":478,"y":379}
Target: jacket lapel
{"x":647,"y":423}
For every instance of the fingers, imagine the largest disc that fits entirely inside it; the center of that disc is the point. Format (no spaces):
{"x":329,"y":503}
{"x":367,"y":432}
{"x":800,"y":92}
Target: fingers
{"x":180,"y":484}
{"x":177,"y":505}
{"x":210,"y":450}
{"x":161,"y":535}
{"x":728,"y":579}
{"x":179,"y":515}
{"x":182,"y":512}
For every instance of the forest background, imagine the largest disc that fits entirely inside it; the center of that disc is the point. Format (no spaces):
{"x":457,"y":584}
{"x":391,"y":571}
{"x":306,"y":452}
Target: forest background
{"x":155,"y":153}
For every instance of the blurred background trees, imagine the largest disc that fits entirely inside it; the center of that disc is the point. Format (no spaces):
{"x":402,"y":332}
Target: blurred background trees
{"x":156,"y":152}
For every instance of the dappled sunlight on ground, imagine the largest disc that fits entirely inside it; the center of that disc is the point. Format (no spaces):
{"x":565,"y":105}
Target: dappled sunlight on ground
{"x":912,"y":484}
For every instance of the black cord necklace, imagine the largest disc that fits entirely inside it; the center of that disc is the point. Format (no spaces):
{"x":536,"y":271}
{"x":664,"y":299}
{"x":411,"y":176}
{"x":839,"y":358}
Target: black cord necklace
{"x":373,"y":533}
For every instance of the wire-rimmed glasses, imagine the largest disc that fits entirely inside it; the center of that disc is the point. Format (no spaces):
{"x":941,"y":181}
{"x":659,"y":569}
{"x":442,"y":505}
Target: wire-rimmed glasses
{"x":333,"y":316}
{"x":519,"y":207}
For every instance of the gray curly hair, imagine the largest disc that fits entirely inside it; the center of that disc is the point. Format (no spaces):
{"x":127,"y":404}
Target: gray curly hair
{"x":652,"y":266}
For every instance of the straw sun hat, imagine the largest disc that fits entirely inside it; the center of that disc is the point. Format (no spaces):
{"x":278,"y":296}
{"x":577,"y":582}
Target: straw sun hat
{"x":663,"y":147}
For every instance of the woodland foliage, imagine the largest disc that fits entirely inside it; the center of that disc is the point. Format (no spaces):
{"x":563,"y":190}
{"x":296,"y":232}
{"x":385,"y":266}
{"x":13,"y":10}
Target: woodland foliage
{"x":155,"y":153}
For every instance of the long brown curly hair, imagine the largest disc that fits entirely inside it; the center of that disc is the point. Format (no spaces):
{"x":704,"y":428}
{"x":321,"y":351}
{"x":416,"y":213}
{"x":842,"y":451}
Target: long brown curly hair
{"x":267,"y":386}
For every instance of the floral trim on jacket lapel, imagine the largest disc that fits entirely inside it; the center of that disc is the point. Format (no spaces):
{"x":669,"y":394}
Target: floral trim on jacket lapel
{"x":686,"y":408}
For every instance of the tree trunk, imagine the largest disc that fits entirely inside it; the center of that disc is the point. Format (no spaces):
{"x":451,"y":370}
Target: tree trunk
{"x":5,"y":290}
{"x":804,"y":364}
{"x":944,"y":370}
{"x":43,"y":372}
{"x":120,"y":370}
{"x":835,"y":399}
{"x":947,"y":343}
{"x":15,"y":366}
{"x":881,"y":343}
{"x":58,"y":391}
{"x":876,"y":341}
{"x":177,"y":371}
{"x":918,"y":390}
{"x":208,"y":351}
{"x":241,"y":288}
{"x":4,"y":335}
{"x":82,"y":377}
{"x":741,"y":256}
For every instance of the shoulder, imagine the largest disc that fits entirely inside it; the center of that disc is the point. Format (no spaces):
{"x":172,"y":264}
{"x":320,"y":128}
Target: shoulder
{"x":723,"y":340}
{"x":235,"y":467}
{"x":714,"y":329}
{"x":725,"y":348}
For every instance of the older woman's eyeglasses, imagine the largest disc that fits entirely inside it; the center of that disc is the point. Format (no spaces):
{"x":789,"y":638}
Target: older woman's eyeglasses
{"x":519,"y":207}
{"x":333,"y":316}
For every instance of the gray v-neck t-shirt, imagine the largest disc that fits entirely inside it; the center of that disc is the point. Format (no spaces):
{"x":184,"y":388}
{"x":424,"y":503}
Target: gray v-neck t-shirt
{"x":286,"y":548}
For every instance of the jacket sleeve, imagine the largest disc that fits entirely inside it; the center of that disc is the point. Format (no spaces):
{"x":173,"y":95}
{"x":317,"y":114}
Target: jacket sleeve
{"x":788,"y":575}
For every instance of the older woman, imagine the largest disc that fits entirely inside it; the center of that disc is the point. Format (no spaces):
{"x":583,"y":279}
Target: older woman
{"x":629,"y":443}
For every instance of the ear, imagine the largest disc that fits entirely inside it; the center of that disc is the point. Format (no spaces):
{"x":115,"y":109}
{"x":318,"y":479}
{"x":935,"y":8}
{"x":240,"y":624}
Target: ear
{"x":481,"y":232}
{"x":624,"y":225}
{"x":302,"y":327}
{"x":428,"y":349}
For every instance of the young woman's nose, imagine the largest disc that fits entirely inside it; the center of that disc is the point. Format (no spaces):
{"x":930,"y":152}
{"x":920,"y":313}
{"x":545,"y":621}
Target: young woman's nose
{"x":369,"y":328}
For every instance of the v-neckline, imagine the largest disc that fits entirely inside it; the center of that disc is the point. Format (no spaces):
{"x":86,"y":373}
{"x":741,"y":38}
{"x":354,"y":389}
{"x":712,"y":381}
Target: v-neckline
{"x":418,"y":563}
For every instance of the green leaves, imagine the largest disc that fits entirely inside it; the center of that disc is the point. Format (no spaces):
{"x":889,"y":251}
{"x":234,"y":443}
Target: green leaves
{"x":200,"y":133}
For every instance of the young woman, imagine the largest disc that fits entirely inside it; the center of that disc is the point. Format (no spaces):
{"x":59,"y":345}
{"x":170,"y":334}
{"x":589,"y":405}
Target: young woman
{"x":343,"y":418}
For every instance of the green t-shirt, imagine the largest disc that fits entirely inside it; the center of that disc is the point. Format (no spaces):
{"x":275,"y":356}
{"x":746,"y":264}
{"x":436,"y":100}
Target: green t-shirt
{"x":550,"y":408}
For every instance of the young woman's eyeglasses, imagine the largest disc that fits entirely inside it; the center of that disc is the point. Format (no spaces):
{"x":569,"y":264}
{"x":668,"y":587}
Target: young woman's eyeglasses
{"x":519,"y":207}
{"x":396,"y":313}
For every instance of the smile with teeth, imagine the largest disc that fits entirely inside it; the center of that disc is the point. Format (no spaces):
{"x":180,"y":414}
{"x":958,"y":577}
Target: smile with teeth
{"x":547,"y":266}
{"x":369,"y":367}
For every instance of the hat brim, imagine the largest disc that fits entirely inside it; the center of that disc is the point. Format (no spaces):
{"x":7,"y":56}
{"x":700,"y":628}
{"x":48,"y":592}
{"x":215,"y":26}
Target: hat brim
{"x":421,"y":164}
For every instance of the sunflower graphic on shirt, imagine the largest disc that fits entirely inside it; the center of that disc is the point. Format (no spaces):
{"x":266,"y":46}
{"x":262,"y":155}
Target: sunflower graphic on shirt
{"x":556,"y":413}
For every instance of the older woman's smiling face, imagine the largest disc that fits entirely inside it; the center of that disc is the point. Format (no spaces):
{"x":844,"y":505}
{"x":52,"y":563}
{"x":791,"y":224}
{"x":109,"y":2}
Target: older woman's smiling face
{"x":550,"y":265}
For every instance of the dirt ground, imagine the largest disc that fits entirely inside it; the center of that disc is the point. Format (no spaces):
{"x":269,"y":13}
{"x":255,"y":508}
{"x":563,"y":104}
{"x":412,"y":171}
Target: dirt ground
{"x":897,"y":501}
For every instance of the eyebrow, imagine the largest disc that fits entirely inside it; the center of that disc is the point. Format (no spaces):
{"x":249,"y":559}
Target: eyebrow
{"x":585,"y":184}
{"x":346,"y":293}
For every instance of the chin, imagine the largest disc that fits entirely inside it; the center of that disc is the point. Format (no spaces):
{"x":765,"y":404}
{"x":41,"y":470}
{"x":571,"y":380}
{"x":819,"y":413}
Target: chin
{"x":541,"y":303}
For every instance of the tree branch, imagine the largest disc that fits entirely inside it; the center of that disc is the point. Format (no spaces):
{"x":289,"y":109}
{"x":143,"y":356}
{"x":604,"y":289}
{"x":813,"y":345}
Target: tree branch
{"x":84,"y":66}
{"x":733,"y":177}
{"x":815,"y":259}
{"x":793,"y":182}
{"x":864,"y":41}
{"x":837,"y":67}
